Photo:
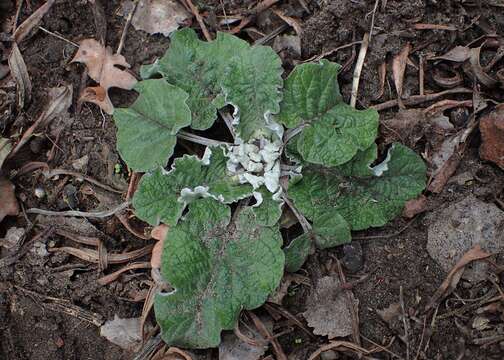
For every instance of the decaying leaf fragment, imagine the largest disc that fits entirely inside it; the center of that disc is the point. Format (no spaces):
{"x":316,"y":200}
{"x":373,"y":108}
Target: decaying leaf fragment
{"x":157,"y":16}
{"x":103,"y":68}
{"x":328,"y":310}
{"x":8,"y":202}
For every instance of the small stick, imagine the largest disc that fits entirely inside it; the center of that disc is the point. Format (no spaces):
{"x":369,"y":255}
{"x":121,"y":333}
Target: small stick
{"x":421,"y":75}
{"x":55,"y":172}
{"x":200,"y":139}
{"x":419,"y":99}
{"x":332,"y":51}
{"x":97,"y":214}
{"x":58,"y":36}
{"x":200,"y":20}
{"x":385,"y":236}
{"x":405,"y":324}
{"x":373,"y":19}
{"x":125,"y":30}
{"x":358,"y":69}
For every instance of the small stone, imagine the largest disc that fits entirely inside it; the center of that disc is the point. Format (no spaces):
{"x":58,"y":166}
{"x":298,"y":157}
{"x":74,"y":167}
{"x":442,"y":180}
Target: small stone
{"x":39,"y":192}
{"x":353,"y":259}
{"x":329,"y":355}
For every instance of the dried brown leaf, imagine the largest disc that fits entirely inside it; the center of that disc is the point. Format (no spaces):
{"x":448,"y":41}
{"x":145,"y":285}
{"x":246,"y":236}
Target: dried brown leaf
{"x":107,"y":279}
{"x":294,"y":23}
{"x":158,"y":16}
{"x":33,"y":20}
{"x":453,"y":277}
{"x":93,"y":256}
{"x":398,"y":68}
{"x":5,"y":148}
{"x":457,"y":54}
{"x":20,"y":73}
{"x":8,"y":202}
{"x":478,"y":71}
{"x":414,"y":207}
{"x":328,"y":310}
{"x":159,"y":233}
{"x":492,"y":133}
{"x":102,"y":68}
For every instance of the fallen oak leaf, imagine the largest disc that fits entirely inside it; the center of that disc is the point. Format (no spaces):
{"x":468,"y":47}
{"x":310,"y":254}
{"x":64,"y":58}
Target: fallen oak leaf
{"x":8,"y":201}
{"x":457,"y":54}
{"x":453,"y":277}
{"x":103,"y":68}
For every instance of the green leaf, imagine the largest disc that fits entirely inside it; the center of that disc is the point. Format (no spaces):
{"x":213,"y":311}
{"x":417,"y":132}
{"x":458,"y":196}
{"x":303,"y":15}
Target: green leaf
{"x":252,"y":83}
{"x":217,"y":268}
{"x":362,"y":200}
{"x":331,"y":229}
{"x":224,"y":71}
{"x":146,"y":131}
{"x":162,"y":196}
{"x":297,"y":252}
{"x":269,"y":211}
{"x":333,"y":131}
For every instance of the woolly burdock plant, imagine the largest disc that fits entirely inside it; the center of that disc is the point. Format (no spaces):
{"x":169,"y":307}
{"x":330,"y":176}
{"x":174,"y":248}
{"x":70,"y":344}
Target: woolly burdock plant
{"x":296,"y":143}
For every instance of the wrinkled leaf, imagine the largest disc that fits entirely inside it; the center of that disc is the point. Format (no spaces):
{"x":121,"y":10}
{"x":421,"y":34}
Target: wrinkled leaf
{"x":226,"y":70}
{"x":147,"y":130}
{"x":297,"y":252}
{"x":364,"y":196}
{"x":102,"y":66}
{"x":162,"y":196}
{"x":269,"y":211}
{"x":330,"y":229}
{"x":334,"y":131}
{"x":217,"y":268}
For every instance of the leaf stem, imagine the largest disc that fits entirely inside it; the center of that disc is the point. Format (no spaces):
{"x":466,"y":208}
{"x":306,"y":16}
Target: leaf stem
{"x":200,"y":139}
{"x":289,"y":134}
{"x":302,"y":220}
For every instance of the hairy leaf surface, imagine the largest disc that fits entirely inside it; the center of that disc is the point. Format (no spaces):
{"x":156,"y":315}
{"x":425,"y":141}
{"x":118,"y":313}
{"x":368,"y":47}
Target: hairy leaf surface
{"x":162,"y":196}
{"x":147,"y":130}
{"x":224,"y":71}
{"x":297,"y":252}
{"x":333,"y":131}
{"x":217,"y":267}
{"x":362,"y":200}
{"x":269,"y":211}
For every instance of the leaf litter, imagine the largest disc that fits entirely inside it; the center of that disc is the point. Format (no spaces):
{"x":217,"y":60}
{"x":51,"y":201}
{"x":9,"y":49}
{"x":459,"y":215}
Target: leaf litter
{"x":103,"y":67}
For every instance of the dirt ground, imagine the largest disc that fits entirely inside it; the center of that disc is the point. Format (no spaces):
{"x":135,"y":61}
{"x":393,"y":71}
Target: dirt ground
{"x":32,"y":289}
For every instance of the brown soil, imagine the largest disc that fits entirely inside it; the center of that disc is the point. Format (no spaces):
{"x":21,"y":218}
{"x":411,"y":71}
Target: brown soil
{"x":31,"y":330}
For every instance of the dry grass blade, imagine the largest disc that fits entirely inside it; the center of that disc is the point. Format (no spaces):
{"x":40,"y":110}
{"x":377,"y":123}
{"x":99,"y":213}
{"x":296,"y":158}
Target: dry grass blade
{"x":32,"y":22}
{"x":93,"y":255}
{"x":398,"y":68}
{"x":147,"y":307}
{"x":421,"y":26}
{"x":20,"y":73}
{"x":358,"y":69}
{"x":294,"y":23}
{"x":107,"y":279}
{"x":453,"y":277}
{"x":277,"y":348}
{"x":339,"y":346}
{"x":96,"y":214}
{"x":60,"y":99}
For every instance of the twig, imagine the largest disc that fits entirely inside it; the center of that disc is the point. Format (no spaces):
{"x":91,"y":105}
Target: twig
{"x":271,"y":35}
{"x":332,"y":51}
{"x":228,"y":120}
{"x":302,"y":220}
{"x":263,"y":5}
{"x":126,"y":26}
{"x":58,"y":36}
{"x":261,"y":328}
{"x":421,"y":75}
{"x":421,"y":338}
{"x":373,"y":19}
{"x":405,"y":324}
{"x":107,"y":279}
{"x":97,"y":214}
{"x":200,"y":20}
{"x":419,"y":99}
{"x":358,"y":69}
{"x":200,"y":139}
{"x":381,"y":347}
{"x":55,"y":172}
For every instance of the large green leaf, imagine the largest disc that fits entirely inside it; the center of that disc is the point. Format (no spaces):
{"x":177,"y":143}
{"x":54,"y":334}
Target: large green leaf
{"x":297,"y":252}
{"x":333,"y":131}
{"x":217,"y":268}
{"x":224,"y":71}
{"x":162,"y":196}
{"x":362,"y":195}
{"x":146,"y":131}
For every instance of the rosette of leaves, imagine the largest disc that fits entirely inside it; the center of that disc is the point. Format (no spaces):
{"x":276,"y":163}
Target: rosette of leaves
{"x":223,"y":252}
